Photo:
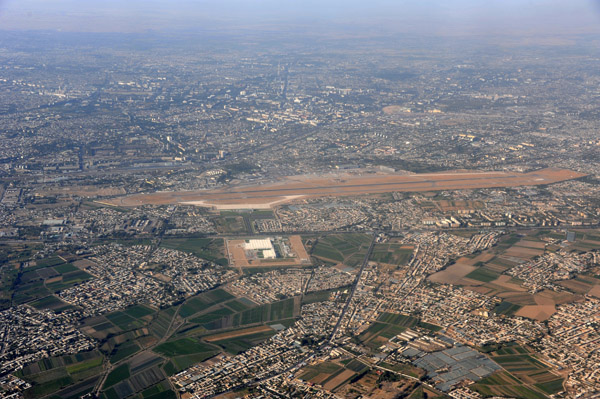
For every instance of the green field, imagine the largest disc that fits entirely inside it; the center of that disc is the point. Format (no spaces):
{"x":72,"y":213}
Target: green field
{"x":270,"y":312}
{"x":204,"y":301}
{"x":30,"y":291}
{"x":69,"y":280}
{"x":124,"y":350}
{"x":46,"y":388}
{"x":240,"y":344}
{"x":65,"y":268}
{"x":50,"y":302}
{"x":237,"y":305}
{"x":347,"y":248}
{"x":507,"y":309}
{"x":161,"y":390}
{"x":117,"y":375}
{"x":211,"y":316}
{"x":51,"y":374}
{"x":398,"y":319}
{"x":504,"y":384}
{"x":319,"y":296}
{"x":184,"y":346}
{"x":139,"y":311}
{"x":388,"y":325}
{"x":526,"y":368}
{"x":77,"y":368}
{"x":124,"y":321}
{"x":212,"y":249}
{"x":391,"y":254}
{"x":48,"y":262}
{"x":179,"y":363}
{"x":551,"y":387}
{"x":160,"y":324}
{"x":483,"y":274}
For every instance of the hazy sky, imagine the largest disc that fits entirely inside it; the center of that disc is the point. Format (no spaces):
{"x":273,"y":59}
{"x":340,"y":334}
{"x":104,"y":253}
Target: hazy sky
{"x":455,"y":17}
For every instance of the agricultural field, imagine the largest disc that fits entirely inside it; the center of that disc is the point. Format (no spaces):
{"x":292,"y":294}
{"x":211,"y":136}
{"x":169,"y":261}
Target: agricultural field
{"x":204,"y":301}
{"x":486,"y":273}
{"x":184,"y":346}
{"x":505,"y":385}
{"x":160,"y":324}
{"x":123,"y":351}
{"x":51,"y":302}
{"x":332,"y":376}
{"x":388,"y":325}
{"x":179,"y":363}
{"x":117,"y":375}
{"x":212,"y":249}
{"x":78,"y":372}
{"x":506,"y":308}
{"x":349,"y":249}
{"x":213,"y":315}
{"x":286,"y":309}
{"x":141,"y":374}
{"x":319,"y":296}
{"x":483,"y":274}
{"x":241,"y":340}
{"x":391,"y":253}
{"x":528,"y":375}
{"x":123,"y":321}
{"x":37,"y":283}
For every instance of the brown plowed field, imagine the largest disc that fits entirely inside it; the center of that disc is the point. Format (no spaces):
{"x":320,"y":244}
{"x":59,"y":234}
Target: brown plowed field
{"x":238,"y":333}
{"x":310,"y":186}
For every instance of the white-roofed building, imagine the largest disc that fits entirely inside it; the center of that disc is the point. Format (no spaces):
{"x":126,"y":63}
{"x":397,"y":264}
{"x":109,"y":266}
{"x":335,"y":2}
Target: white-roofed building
{"x":259,"y":244}
{"x":265,"y":246}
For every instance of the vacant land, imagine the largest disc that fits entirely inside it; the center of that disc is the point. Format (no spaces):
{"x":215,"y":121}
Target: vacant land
{"x":212,"y":249}
{"x":452,"y":274}
{"x":237,"y":333}
{"x":391,"y":253}
{"x":349,"y":249}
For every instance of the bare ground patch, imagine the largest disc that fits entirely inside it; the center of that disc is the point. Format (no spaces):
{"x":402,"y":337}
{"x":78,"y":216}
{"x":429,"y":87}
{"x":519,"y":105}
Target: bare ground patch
{"x":452,"y":274}
{"x":237,"y":333}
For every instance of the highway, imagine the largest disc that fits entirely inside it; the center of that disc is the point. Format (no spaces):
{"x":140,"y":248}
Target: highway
{"x":353,"y":288}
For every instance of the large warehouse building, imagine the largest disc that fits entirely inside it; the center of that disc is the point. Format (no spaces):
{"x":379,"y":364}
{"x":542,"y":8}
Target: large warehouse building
{"x":264,"y":245}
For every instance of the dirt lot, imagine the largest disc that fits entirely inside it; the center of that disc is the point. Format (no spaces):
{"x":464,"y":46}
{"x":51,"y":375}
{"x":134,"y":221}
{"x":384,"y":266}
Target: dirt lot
{"x":237,"y":253}
{"x":238,"y":333}
{"x":453,"y":274}
{"x":337,"y":380}
{"x":345,"y":184}
{"x":394,"y":109}
{"x":298,"y":248}
{"x":595,"y":291}
{"x":523,"y":253}
{"x":82,"y":191}
{"x":537,"y":312}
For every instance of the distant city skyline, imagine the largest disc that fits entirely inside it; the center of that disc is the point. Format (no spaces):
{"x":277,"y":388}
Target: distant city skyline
{"x":456,"y":18}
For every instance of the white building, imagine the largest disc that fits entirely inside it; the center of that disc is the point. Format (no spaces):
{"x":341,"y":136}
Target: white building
{"x":264,"y":245}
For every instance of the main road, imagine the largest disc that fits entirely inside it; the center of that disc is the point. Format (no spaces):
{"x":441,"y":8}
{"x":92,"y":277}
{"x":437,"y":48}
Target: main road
{"x":354,"y":286}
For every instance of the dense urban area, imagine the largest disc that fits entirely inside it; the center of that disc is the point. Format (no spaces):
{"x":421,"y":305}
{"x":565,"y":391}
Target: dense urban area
{"x":114,"y":284}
